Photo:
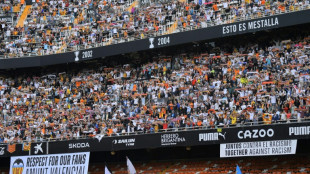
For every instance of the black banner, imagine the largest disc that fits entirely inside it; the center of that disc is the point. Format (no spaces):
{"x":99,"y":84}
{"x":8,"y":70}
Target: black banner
{"x":166,"y":139}
{"x":271,"y":22}
{"x":8,"y":19}
{"x":185,"y":138}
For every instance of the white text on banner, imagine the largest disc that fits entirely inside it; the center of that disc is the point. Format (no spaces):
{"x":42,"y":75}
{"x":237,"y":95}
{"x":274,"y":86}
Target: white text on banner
{"x":69,"y":163}
{"x":258,"y":148}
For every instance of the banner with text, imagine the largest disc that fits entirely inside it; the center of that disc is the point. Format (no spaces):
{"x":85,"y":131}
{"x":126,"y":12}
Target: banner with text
{"x":195,"y":137}
{"x":258,"y":148}
{"x":156,"y":42}
{"x":73,"y":163}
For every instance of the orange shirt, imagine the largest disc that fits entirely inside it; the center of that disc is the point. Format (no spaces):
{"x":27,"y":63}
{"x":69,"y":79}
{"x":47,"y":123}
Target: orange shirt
{"x":171,"y":106}
{"x":236,"y":72}
{"x":189,"y":17}
{"x":199,"y":123}
{"x":215,"y":8}
{"x":192,"y":105}
{"x":78,"y":83}
{"x":110,"y":131}
{"x":211,"y":110}
{"x":166,"y":85}
{"x":156,"y":28}
{"x":163,"y":110}
{"x":43,"y":131}
{"x":52,"y":124}
{"x":134,"y":87}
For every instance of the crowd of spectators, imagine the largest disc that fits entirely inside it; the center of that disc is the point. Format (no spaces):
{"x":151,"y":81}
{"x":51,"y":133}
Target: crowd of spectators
{"x":56,"y":26}
{"x":251,"y":85}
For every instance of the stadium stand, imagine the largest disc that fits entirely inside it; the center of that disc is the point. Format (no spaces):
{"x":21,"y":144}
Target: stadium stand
{"x":267,"y":165}
{"x":190,"y":102}
{"x":95,"y":23}
{"x":270,"y":165}
{"x":216,"y":87}
{"x":249,"y":86}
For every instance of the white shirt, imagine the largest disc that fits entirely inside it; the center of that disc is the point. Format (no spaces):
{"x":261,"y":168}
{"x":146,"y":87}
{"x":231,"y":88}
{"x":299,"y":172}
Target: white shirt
{"x":273,"y":99}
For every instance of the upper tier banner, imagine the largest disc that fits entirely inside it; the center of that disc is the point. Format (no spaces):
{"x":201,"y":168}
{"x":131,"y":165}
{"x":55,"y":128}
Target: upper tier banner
{"x":249,"y":26}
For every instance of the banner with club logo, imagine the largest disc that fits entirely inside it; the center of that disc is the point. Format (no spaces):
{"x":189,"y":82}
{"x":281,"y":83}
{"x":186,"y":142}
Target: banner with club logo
{"x":258,"y":148}
{"x":74,"y":163}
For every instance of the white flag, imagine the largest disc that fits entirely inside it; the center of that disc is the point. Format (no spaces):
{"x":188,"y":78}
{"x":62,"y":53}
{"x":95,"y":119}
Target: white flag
{"x":106,"y":170}
{"x":130,"y":167}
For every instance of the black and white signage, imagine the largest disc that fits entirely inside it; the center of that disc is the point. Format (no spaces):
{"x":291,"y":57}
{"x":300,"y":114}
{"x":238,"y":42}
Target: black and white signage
{"x":84,"y":54}
{"x":255,"y":133}
{"x":258,"y":148}
{"x":171,"y":139}
{"x":151,"y":40}
{"x":299,"y":131}
{"x":76,"y":54}
{"x":49,"y":164}
{"x":203,"y":34}
{"x":159,"y":41}
{"x":39,"y":148}
{"x":91,"y":11}
{"x":2,"y":150}
{"x":79,"y":145}
{"x":87,"y":54}
{"x":212,"y":136}
{"x":260,"y":133}
{"x":8,"y":19}
{"x":251,"y":25}
{"x":127,"y":142}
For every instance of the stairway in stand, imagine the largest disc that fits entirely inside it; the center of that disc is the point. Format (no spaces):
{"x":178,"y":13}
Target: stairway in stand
{"x":23,"y":16}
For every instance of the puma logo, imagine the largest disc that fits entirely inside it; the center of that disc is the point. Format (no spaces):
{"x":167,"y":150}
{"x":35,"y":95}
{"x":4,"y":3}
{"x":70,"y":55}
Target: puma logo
{"x":222,"y":135}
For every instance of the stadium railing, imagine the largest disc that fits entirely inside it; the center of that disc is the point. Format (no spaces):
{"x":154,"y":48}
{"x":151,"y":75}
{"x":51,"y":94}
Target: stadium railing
{"x":176,"y":130}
